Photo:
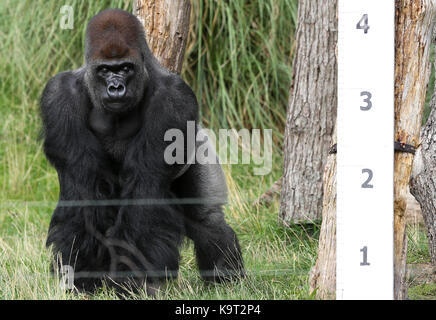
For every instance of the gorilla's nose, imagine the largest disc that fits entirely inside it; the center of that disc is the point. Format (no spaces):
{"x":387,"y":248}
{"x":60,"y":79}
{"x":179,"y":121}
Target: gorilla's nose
{"x":116,"y":90}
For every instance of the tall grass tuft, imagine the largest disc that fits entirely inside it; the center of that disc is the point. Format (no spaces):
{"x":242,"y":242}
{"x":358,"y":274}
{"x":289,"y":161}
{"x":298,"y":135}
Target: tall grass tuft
{"x":239,"y":62}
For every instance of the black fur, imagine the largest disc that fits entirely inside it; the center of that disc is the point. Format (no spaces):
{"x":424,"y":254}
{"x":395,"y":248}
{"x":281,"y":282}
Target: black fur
{"x":110,"y":163}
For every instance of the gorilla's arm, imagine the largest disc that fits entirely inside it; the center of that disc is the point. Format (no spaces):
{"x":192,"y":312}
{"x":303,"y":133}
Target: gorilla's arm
{"x":216,"y":245}
{"x":156,"y":226}
{"x":169,"y":104}
{"x":82,"y":169}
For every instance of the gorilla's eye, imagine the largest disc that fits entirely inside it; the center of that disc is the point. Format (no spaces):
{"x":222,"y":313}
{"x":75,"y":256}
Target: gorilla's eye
{"x":126,"y":68}
{"x":102,"y":70}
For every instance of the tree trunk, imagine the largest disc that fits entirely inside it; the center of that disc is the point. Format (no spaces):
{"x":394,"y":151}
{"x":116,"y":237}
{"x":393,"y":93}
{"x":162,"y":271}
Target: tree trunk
{"x":166,"y":24}
{"x":423,"y":182}
{"x":412,"y":45}
{"x":311,"y":111}
{"x":414,"y":22}
{"x":323,"y":274}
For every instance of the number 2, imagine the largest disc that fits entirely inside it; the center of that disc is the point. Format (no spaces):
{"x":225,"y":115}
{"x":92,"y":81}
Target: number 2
{"x":367,"y":184}
{"x":363,"y":23}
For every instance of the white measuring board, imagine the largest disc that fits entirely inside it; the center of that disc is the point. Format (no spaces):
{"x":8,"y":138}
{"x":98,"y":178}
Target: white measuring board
{"x":365,"y":149}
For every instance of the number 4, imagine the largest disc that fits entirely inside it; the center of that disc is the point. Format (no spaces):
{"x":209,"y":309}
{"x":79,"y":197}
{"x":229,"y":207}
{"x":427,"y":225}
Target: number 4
{"x":363,"y":23}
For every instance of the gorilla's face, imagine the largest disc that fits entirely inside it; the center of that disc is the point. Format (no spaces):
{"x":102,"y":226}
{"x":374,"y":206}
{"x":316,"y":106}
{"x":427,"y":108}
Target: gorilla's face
{"x":117,"y":86}
{"x":115,"y":72}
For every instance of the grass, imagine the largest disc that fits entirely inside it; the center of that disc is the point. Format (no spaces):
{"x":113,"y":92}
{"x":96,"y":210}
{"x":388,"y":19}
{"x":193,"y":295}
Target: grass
{"x":237,"y":61}
{"x":421,"y":280}
{"x":418,"y":251}
{"x":278,"y":259}
{"x":425,"y":291}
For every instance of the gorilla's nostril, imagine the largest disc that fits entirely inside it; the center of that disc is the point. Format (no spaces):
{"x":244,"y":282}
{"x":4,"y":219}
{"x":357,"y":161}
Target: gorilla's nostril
{"x":116,"y":90}
{"x":112,"y":89}
{"x":121,"y":90}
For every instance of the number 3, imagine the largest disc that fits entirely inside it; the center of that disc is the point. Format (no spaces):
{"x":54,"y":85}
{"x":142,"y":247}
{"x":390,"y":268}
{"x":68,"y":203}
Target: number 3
{"x":367,"y":100}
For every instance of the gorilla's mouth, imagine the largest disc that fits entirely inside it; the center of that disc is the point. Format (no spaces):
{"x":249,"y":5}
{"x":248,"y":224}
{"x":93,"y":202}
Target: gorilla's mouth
{"x":116,"y":106}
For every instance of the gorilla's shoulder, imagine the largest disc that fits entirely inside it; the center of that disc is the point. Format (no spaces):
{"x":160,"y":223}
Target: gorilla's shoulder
{"x":66,"y":84}
{"x":172,"y":85}
{"x":64,"y":90}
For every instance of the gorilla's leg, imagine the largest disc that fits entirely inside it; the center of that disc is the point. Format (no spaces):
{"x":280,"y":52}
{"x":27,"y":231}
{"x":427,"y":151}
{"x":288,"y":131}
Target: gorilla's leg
{"x":146,"y":243}
{"x":216,"y":245}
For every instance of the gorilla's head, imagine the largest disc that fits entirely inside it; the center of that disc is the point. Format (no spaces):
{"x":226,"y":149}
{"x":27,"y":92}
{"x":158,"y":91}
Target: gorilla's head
{"x":115,"y":48}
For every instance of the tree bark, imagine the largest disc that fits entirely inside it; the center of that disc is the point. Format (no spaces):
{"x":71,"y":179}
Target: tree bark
{"x":423,"y":182}
{"x":412,"y":45}
{"x":166,"y":24}
{"x":311,"y":111}
{"x":323,"y":274}
{"x":414,"y":22}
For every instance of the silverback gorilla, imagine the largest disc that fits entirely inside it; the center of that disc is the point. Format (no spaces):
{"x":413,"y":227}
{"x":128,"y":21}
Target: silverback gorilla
{"x":123,"y":211}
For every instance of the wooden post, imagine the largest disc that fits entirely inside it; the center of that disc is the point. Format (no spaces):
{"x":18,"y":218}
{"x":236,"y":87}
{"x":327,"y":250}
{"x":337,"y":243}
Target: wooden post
{"x":166,"y":24}
{"x":414,"y":20}
{"x":311,"y":112}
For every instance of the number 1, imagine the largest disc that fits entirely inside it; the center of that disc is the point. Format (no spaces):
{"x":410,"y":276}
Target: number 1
{"x":365,"y":262}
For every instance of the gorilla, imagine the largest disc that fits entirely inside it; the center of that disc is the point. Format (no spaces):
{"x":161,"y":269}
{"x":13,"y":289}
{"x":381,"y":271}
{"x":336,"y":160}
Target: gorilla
{"x":123,"y":211}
